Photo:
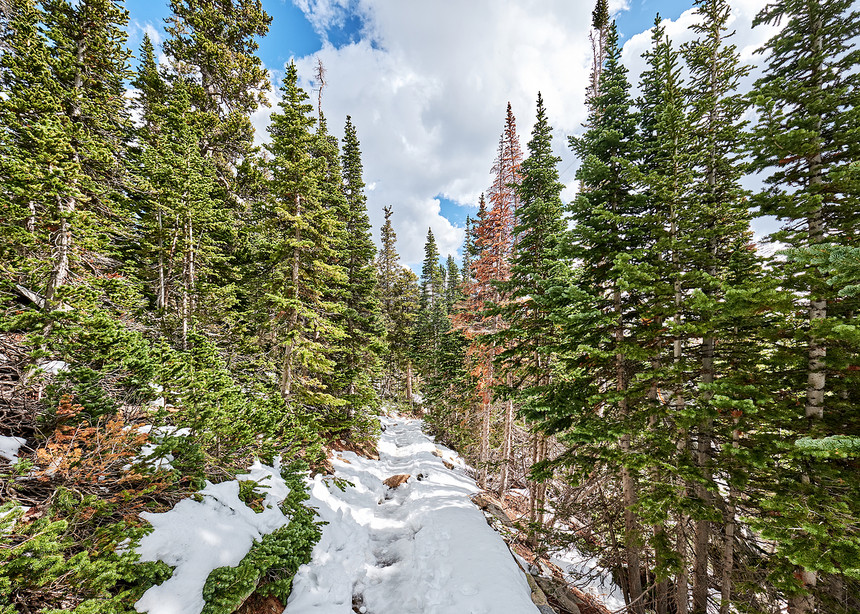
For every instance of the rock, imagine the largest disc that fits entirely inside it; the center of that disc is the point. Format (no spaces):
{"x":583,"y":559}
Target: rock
{"x":545,"y":609}
{"x":437,"y":452}
{"x":559,"y":593}
{"x":396,"y":480}
{"x":493,"y":507}
{"x":447,"y":464}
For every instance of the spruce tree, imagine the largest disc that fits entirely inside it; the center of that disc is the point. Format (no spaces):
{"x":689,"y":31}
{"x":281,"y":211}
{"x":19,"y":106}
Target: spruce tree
{"x":398,"y":294}
{"x":362,"y":310}
{"x":724,"y":234}
{"x":609,"y":236}
{"x":303,"y":262}
{"x":42,"y":176}
{"x":177,"y":219}
{"x":432,"y":318}
{"x":537,"y":272}
{"x":72,"y":103}
{"x":212,"y":44}
{"x":806,"y":141}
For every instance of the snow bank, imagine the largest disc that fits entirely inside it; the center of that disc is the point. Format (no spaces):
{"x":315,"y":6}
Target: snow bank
{"x":9,"y":447}
{"x":587,"y":575}
{"x":420,"y":548}
{"x":198,"y":537}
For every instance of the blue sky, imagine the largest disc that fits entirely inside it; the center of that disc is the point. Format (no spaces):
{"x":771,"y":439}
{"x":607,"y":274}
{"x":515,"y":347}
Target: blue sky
{"x":426,"y":83}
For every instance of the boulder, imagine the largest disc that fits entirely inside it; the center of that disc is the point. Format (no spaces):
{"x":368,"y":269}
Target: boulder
{"x":560,"y":594}
{"x":396,"y":480}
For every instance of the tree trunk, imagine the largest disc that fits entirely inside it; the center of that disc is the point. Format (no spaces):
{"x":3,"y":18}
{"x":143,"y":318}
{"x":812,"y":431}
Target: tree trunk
{"x":817,"y":353}
{"x":161,"y":294}
{"x":409,"y":382}
{"x":703,"y":527}
{"x":293,"y":320}
{"x":507,"y":440}
{"x":681,"y":581}
{"x":728,"y":561}
{"x":62,"y":248}
{"x":631,"y":530}
{"x":662,"y":592}
{"x":628,"y":480}
{"x":804,"y":604}
{"x":486,"y":402}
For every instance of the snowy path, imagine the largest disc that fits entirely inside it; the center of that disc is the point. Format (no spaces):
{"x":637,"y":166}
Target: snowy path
{"x":420,"y":548}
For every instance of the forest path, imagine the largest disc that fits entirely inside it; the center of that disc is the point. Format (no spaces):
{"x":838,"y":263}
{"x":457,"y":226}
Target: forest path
{"x":421,"y":548}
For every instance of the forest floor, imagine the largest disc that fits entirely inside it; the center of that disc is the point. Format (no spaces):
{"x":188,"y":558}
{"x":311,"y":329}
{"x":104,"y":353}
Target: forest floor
{"x":421,"y":546}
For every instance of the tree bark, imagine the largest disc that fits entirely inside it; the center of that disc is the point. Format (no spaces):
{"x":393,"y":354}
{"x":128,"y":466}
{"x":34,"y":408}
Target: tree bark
{"x":728,"y":561}
{"x":507,"y":441}
{"x":486,"y":402}
{"x":293,"y":320}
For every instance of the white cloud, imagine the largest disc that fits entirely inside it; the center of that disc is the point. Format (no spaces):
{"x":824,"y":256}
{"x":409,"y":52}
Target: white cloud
{"x":745,"y":38}
{"x":427,"y":86}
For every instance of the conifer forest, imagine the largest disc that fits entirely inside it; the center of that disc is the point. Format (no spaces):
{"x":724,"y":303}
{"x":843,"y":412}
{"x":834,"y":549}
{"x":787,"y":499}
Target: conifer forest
{"x":627,"y":372}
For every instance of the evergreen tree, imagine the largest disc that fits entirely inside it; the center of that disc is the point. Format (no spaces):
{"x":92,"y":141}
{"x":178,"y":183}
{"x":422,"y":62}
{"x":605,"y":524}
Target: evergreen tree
{"x":212,"y":45}
{"x":609,"y":236}
{"x":806,"y":139}
{"x":723,"y":222}
{"x":536,"y":273}
{"x":398,"y":294}
{"x":76,"y":67}
{"x":42,"y":178}
{"x":432,"y":318}
{"x":363,"y":313}
{"x":303,"y":262}
{"x":178,"y":218}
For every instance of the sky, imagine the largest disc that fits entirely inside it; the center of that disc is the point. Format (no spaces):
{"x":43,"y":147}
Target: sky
{"x":427,"y":84}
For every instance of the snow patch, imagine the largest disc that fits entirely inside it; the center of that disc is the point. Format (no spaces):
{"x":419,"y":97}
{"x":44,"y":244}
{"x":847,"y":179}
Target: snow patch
{"x":587,"y":575}
{"x":9,"y":447}
{"x":198,"y":537}
{"x":420,"y":548}
{"x":54,"y":367}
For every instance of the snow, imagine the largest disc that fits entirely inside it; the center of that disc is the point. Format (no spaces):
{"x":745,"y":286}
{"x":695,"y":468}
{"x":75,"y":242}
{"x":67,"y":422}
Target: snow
{"x":156,"y":436}
{"x":420,"y":548}
{"x":53,"y":367}
{"x":9,"y":447}
{"x":587,"y":575}
{"x":198,"y":537}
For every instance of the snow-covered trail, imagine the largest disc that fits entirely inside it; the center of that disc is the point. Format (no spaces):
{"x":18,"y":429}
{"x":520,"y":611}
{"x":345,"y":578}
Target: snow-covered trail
{"x":420,"y":548}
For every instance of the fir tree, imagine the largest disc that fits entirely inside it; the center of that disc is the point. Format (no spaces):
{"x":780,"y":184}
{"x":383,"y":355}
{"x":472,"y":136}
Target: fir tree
{"x":432,"y":318}
{"x":536,"y":273}
{"x":723,"y":222}
{"x":302,"y":259}
{"x":212,"y":44}
{"x":398,"y":294}
{"x":178,"y":217}
{"x":609,"y":235}
{"x":41,"y":172}
{"x":363,"y":315}
{"x":806,"y":139}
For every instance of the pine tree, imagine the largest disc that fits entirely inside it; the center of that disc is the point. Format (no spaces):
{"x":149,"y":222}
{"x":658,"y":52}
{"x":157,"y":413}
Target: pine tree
{"x":212,"y":44}
{"x":536,"y":273}
{"x":177,"y":218}
{"x":398,"y":294}
{"x":667,"y":176}
{"x":431,"y":319}
{"x":609,"y":235}
{"x":77,"y":67}
{"x":363,"y":315}
{"x":42,"y":175}
{"x":723,"y":219}
{"x":598,"y":37}
{"x":303,"y":262}
{"x":806,"y":138}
